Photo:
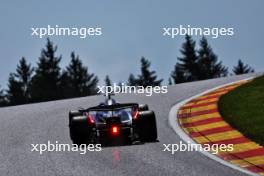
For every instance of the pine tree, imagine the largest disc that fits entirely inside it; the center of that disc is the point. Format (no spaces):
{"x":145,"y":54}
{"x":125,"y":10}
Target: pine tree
{"x":24,"y":72}
{"x":209,"y":66}
{"x":19,"y":82}
{"x":169,"y":81}
{"x":178,"y":74}
{"x":66,"y":87}
{"x":76,"y":81}
{"x":132,"y":81}
{"x":15,"y":92}
{"x":45,"y":83}
{"x":147,"y":77}
{"x":3,"y":101}
{"x":242,"y":68}
{"x":188,"y":62}
{"x":108,"y":82}
{"x":187,"y":68}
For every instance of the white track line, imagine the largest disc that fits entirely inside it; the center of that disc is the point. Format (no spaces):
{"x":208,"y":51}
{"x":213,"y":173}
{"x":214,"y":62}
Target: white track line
{"x":174,"y":123}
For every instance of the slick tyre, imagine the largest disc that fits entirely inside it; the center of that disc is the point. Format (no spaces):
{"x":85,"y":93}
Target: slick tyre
{"x":147,"y":126}
{"x":72,"y":114}
{"x":76,"y":137}
{"x":78,"y":129}
{"x":143,"y":107}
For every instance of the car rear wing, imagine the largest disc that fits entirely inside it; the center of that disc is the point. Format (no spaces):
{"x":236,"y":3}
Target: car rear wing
{"x":112,"y":107}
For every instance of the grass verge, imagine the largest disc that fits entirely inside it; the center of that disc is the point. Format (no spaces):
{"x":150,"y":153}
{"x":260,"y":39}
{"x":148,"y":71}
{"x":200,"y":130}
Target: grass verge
{"x":243,"y":109}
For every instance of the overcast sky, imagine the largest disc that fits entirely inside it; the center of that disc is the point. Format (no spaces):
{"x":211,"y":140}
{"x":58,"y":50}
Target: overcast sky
{"x":131,"y":29}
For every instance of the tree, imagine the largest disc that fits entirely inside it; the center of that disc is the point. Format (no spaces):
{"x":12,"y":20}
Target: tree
{"x":178,"y":74}
{"x":15,"y":92}
{"x":188,"y":62}
{"x":169,"y":81}
{"x":209,"y":67}
{"x":19,"y":82}
{"x":242,"y":68}
{"x":132,"y":81}
{"x":3,"y":101}
{"x":45,"y":83}
{"x":187,"y":68}
{"x":146,"y":78}
{"x":76,"y":81}
{"x":24,"y":72}
{"x":108,"y":82}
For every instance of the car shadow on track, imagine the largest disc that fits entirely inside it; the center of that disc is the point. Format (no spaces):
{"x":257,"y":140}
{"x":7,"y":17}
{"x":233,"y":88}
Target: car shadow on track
{"x":119,"y":143}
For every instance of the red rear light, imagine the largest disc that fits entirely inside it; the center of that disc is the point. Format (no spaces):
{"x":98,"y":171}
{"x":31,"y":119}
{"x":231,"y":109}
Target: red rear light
{"x":115,"y":130}
{"x":91,"y":119}
{"x":135,"y":115}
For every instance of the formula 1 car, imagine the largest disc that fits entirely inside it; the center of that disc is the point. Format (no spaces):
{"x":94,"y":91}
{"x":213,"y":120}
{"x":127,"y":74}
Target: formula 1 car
{"x":127,"y":122}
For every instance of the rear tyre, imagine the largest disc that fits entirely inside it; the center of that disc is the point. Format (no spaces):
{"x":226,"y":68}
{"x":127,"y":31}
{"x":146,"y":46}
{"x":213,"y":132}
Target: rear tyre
{"x":147,"y":126}
{"x":74,"y":113}
{"x":143,"y":107}
{"x":78,"y":127}
{"x":75,"y":137}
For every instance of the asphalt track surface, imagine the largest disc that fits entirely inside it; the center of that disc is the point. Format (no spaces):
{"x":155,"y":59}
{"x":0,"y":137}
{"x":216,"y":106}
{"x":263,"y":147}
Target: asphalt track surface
{"x":21,"y":126}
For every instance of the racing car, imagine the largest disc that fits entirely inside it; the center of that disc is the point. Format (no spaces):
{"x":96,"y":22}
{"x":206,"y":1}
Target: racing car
{"x":110,"y":120}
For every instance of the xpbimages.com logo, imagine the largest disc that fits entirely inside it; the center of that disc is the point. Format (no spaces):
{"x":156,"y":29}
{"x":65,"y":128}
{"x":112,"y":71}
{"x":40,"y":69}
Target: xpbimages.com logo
{"x":59,"y":147}
{"x":182,"y":147}
{"x":122,"y":88}
{"x":82,"y":32}
{"x":181,"y":30}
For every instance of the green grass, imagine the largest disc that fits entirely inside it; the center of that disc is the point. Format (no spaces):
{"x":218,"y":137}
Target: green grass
{"x":243,"y":109}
